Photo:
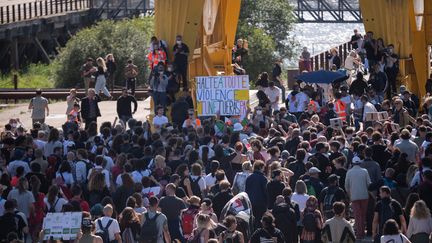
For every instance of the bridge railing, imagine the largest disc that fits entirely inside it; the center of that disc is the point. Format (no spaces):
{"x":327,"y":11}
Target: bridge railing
{"x":319,"y":61}
{"x":41,"y":8}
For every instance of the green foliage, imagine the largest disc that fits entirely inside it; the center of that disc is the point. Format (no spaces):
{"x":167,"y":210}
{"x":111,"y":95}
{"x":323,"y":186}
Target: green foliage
{"x":261,"y":54}
{"x":124,"y":39}
{"x":34,"y":76}
{"x":275,"y":17}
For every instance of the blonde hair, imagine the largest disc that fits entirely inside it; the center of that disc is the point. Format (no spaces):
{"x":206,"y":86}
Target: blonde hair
{"x":109,"y":55}
{"x":420,"y":210}
{"x":300,"y":187}
{"x":160,"y":161}
{"x":203,"y":221}
{"x":247,"y":165}
{"x":101,"y":63}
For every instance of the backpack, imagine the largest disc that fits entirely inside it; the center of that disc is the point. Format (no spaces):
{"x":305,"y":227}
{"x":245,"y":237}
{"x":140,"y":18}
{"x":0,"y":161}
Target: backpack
{"x":309,"y":221}
{"x":187,"y":220}
{"x":310,"y":189}
{"x":387,"y":212}
{"x":149,"y":230}
{"x":328,"y":201}
{"x":196,"y":190}
{"x":128,"y":236}
{"x":195,"y":237}
{"x":104,"y":234}
{"x":11,"y":224}
{"x":52,"y":208}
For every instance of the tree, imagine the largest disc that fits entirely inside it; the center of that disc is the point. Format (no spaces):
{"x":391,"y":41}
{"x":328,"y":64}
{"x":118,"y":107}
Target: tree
{"x":275,"y":17}
{"x":261,"y":54}
{"x":126,"y":39}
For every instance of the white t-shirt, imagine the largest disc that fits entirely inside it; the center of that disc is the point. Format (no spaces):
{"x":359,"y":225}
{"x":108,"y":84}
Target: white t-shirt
{"x":160,"y":120}
{"x":201,"y":182}
{"x":273,"y":94}
{"x":138,"y":175}
{"x":211,"y":180}
{"x":399,"y":238}
{"x":66,"y":176}
{"x":39,"y":143}
{"x":368,"y":107}
{"x":300,"y":200}
{"x":58,"y":206}
{"x":112,"y":229}
{"x":301,"y":100}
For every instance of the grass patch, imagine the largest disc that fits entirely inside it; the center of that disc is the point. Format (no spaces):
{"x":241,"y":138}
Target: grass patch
{"x":34,"y":76}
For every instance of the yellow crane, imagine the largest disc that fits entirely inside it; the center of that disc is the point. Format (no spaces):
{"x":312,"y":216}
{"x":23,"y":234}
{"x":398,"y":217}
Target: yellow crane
{"x":408,"y":25}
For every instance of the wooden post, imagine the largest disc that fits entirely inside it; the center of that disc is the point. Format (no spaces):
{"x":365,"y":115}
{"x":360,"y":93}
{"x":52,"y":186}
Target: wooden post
{"x":327,"y":63}
{"x":316,"y":62}
{"x":15,"y":81}
{"x":322,"y":58}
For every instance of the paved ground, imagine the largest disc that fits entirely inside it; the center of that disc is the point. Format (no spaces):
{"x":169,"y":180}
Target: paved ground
{"x":57,"y":112}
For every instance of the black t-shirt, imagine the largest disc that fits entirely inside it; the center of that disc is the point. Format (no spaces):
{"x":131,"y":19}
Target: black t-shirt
{"x":397,"y":209}
{"x":370,"y":50}
{"x":171,"y":206}
{"x":341,"y":172}
{"x":339,"y":194}
{"x":380,"y":155}
{"x":274,"y":188}
{"x":260,"y":235}
{"x":181,"y":59}
{"x":180,"y":192}
{"x":355,"y":38}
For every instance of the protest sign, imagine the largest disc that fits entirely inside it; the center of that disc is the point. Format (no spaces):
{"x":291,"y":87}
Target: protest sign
{"x":62,"y":225}
{"x":336,"y":123}
{"x":226,"y":95}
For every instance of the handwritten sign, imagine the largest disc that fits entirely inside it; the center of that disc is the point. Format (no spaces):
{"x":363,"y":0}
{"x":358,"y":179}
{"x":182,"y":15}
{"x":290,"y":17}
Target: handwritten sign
{"x":228,"y":95}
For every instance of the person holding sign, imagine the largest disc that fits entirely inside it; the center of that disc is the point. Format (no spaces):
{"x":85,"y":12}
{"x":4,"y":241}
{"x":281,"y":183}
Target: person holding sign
{"x":158,"y":84}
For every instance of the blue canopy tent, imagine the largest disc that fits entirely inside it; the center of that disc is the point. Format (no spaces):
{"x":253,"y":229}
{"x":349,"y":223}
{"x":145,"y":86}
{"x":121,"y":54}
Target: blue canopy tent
{"x":322,"y":77}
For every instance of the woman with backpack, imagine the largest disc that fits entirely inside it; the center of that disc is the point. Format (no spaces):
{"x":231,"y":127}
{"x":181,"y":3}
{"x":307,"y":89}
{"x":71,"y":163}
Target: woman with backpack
{"x":53,"y":202}
{"x":239,"y":183}
{"x":231,"y":235}
{"x":420,"y":224}
{"x":201,"y":233}
{"x":312,"y":222}
{"x":188,"y":215}
{"x":130,"y":225}
{"x":97,"y":189}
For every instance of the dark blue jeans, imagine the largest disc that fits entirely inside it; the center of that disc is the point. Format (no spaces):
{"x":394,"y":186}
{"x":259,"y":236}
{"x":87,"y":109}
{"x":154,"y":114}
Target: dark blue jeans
{"x":174,"y":229}
{"x":159,"y":98}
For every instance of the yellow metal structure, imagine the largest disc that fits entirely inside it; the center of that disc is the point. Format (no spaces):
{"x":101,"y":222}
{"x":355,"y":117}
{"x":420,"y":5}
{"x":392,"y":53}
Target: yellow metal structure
{"x":208,"y":27}
{"x":396,"y":22}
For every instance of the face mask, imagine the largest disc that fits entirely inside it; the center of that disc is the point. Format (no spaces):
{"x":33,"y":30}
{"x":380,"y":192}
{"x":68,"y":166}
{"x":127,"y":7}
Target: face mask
{"x":170,"y":69}
{"x":259,"y":112}
{"x":161,"y":72}
{"x":14,"y":125}
{"x":179,"y":42}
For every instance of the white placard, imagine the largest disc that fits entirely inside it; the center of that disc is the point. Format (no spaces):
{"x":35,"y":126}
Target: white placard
{"x":226,"y":95}
{"x":64,"y":226}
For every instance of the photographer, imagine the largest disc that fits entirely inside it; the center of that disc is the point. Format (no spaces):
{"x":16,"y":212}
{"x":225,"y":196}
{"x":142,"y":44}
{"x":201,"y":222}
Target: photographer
{"x":158,"y":84}
{"x":391,"y":61}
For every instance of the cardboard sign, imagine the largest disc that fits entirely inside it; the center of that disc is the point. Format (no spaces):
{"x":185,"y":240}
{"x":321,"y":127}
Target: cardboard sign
{"x":64,"y":226}
{"x":226,"y":95}
{"x":336,"y":123}
{"x":383,"y":116}
{"x":372,"y":116}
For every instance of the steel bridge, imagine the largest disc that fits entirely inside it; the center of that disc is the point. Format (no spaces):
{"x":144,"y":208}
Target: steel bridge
{"x":327,"y":11}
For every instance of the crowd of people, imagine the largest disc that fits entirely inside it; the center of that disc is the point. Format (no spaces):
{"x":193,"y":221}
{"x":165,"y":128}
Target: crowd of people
{"x":282,"y":173}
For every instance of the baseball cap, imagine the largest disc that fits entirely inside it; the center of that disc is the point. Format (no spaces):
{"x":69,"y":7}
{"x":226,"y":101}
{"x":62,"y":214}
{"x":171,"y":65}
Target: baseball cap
{"x":332,"y":178}
{"x":356,"y":160}
{"x":96,"y":210}
{"x":314,"y":170}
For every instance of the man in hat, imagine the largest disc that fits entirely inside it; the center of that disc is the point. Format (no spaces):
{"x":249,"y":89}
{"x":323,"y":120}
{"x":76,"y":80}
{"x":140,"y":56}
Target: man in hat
{"x":357,"y":182}
{"x":331,"y":194}
{"x":313,"y":183}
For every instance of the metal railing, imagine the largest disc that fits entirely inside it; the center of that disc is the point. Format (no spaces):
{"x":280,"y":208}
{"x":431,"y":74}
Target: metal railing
{"x":41,"y":8}
{"x":320,"y":61}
